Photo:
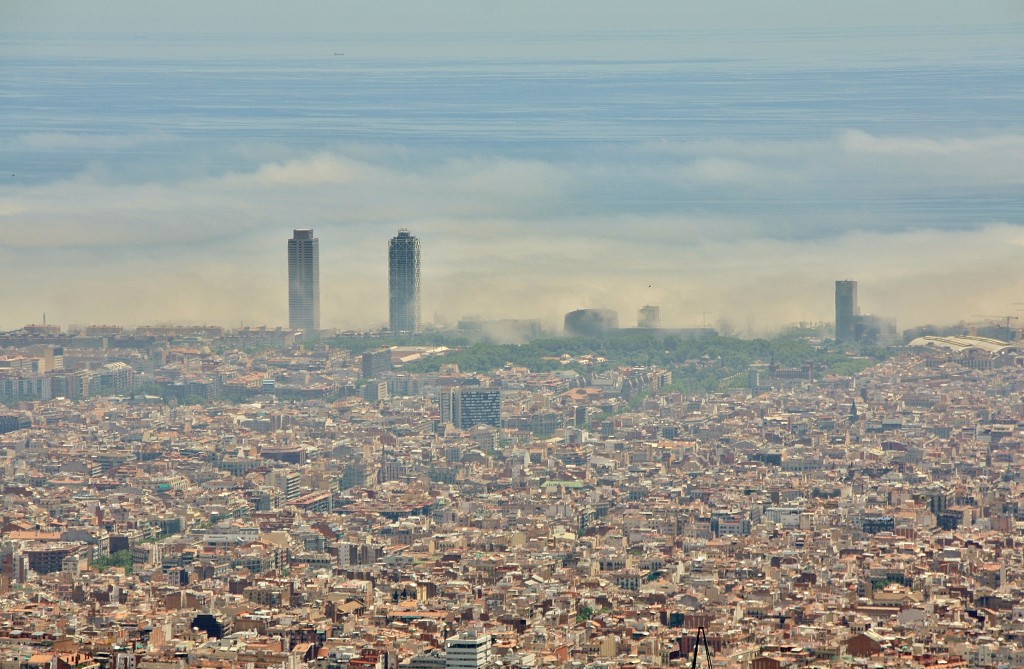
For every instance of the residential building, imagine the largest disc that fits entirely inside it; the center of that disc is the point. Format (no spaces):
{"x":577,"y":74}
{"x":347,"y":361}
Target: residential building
{"x":468,"y":406}
{"x":468,"y":650}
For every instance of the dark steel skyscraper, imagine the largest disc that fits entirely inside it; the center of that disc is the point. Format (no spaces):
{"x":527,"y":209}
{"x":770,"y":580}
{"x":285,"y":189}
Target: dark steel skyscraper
{"x":404,"y":282}
{"x":846,"y":311}
{"x":304,"y":282}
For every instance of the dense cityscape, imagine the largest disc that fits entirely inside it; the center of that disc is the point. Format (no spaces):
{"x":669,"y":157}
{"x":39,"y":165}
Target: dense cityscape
{"x":503,"y":495}
{"x":511,"y":335}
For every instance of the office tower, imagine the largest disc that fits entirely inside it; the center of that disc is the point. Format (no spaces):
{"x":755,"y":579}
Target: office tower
{"x":404,"y":282}
{"x":846,"y":311}
{"x":468,"y":650}
{"x":469,"y":406}
{"x":479,"y":405}
{"x":304,"y":282}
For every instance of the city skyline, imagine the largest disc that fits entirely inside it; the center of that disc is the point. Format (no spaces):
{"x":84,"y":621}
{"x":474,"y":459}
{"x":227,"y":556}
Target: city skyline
{"x":404,"y":308}
{"x":402,"y":463}
{"x":698,"y":158}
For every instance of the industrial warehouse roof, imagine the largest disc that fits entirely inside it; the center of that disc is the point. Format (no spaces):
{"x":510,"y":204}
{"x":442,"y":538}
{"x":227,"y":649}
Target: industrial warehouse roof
{"x":961,"y":344}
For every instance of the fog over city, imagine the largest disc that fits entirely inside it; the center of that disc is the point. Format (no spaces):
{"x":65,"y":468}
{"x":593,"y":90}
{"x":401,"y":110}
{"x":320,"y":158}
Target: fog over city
{"x":722,"y":171}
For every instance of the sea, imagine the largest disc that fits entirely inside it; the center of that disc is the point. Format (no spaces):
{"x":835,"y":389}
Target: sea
{"x":150,"y":105}
{"x":671,"y":137}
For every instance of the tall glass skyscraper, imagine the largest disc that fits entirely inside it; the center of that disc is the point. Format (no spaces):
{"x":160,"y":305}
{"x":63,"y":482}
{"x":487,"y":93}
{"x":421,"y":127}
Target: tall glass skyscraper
{"x":404,"y":282}
{"x":467,"y":406}
{"x":846,"y":311}
{"x":304,"y":282}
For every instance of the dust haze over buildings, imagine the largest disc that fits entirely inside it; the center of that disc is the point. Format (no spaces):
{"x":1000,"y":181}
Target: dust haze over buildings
{"x":693,"y":157}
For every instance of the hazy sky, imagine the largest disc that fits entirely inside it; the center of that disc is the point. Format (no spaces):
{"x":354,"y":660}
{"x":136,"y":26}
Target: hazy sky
{"x":728,"y":158}
{"x":469,"y":16}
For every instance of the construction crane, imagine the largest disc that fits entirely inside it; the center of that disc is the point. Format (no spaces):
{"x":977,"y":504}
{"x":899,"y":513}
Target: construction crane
{"x":703,"y":317}
{"x":701,"y":632}
{"x":1001,"y":318}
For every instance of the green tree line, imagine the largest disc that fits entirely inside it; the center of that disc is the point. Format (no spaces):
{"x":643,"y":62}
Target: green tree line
{"x":119,"y":559}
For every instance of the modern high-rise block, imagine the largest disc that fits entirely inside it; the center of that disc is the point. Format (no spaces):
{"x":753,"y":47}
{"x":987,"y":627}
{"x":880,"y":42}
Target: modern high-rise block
{"x":404,"y":282}
{"x":304,"y":282}
{"x":446,"y":405}
{"x":468,"y":406}
{"x":468,"y":650}
{"x":846,"y":311}
{"x":376,"y":362}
